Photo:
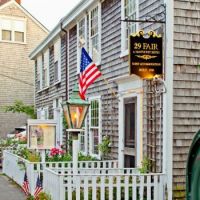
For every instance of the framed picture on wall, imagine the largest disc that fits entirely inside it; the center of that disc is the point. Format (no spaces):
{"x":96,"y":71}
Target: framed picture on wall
{"x":41,"y":134}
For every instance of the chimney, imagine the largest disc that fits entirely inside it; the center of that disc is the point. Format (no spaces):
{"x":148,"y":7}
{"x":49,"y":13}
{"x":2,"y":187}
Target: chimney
{"x":18,"y":1}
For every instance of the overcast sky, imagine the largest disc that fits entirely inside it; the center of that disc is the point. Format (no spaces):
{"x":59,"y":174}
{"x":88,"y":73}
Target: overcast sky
{"x":49,"y":12}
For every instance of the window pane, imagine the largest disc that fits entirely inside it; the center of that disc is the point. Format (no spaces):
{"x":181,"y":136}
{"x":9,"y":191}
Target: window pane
{"x":94,"y":35}
{"x":95,"y":141}
{"x":56,"y":71}
{"x":6,"y":35}
{"x":19,"y":36}
{"x":130,"y":13}
{"x":82,"y":30}
{"x":94,"y":113}
{"x":130,"y":124}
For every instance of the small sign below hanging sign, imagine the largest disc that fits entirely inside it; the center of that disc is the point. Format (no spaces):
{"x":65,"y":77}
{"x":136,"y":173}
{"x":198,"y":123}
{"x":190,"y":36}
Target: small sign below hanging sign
{"x":146,"y":54}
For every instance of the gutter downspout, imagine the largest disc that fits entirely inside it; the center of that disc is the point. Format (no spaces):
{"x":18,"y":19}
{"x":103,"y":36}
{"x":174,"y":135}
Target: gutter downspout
{"x":66,"y":68}
{"x":66,"y":61}
{"x":168,"y":99}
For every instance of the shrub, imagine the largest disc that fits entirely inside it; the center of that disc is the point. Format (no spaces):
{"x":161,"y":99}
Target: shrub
{"x":44,"y":196}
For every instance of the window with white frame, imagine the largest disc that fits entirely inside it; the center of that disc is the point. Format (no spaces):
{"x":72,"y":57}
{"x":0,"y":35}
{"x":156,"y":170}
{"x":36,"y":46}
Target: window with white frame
{"x":58,"y":116}
{"x":37,"y":76}
{"x":129,"y":11}
{"x":13,"y":30}
{"x":94,"y":33}
{"x":43,"y":113}
{"x":95,"y":125}
{"x":45,"y":71}
{"x":81,"y":39}
{"x":83,"y":137}
{"x":57,"y":61}
{"x":82,"y":141}
{"x":39,"y":72}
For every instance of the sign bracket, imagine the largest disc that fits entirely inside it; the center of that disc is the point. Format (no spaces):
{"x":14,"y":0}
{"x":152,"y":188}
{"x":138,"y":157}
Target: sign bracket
{"x":150,"y":19}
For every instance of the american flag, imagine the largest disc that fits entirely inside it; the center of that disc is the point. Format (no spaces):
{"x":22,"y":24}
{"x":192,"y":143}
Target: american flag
{"x":88,"y":73}
{"x":25,"y":185}
{"x":38,"y":187}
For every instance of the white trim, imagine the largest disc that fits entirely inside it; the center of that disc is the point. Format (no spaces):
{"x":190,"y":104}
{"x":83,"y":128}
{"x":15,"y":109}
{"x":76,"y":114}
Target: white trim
{"x":46,"y":65}
{"x":130,"y":87}
{"x":26,"y":13}
{"x":85,"y":45}
{"x":124,"y":51}
{"x":99,"y":32}
{"x":66,"y":20}
{"x":168,"y":99}
{"x":68,"y":64}
{"x":99,"y":128}
{"x":39,"y":63}
{"x":57,"y":55}
{"x":58,"y":117}
{"x":122,"y":127}
{"x":12,"y":28}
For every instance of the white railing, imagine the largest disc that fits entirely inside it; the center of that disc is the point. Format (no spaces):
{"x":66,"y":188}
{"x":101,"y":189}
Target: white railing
{"x":12,"y":169}
{"x":116,"y":184}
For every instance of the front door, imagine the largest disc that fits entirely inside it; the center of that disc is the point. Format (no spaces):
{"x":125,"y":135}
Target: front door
{"x":130,"y":131}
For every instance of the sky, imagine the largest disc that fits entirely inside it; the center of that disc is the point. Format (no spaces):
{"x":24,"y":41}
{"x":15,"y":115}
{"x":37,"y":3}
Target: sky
{"x":49,"y":12}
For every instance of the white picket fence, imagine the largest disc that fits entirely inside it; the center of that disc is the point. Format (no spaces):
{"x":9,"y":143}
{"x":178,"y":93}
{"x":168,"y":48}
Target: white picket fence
{"x":12,"y":169}
{"x":101,"y":184}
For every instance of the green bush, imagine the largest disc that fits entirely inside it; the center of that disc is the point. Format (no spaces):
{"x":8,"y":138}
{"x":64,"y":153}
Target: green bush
{"x":104,"y":146}
{"x":44,"y":196}
{"x":146,"y":165}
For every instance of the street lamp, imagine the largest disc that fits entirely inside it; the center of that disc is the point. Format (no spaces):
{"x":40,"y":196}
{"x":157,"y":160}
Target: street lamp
{"x":75,"y":110}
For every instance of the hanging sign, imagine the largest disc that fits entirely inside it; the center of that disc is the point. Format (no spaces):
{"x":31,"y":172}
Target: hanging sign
{"x":146,"y":54}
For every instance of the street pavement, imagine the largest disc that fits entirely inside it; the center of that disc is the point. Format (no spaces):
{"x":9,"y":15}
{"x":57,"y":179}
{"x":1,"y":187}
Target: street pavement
{"x":9,"y":190}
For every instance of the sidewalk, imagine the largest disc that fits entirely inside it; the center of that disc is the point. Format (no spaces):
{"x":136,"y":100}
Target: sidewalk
{"x":9,"y":190}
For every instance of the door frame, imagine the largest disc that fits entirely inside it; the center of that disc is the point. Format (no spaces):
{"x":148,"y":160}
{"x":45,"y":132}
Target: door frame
{"x":138,"y":135}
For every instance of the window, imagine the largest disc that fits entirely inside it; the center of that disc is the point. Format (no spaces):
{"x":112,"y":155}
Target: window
{"x":82,"y":141}
{"x":94,"y":34}
{"x":58,"y":116}
{"x":94,"y":125}
{"x":45,"y":69}
{"x":13,"y":30}
{"x":37,"y":77}
{"x":83,"y":138}
{"x":81,"y":39}
{"x":39,"y":72}
{"x":6,"y":35}
{"x":57,"y":61}
{"x":43,"y":113}
{"x":19,"y":36}
{"x":129,"y":11}
{"x":130,"y":122}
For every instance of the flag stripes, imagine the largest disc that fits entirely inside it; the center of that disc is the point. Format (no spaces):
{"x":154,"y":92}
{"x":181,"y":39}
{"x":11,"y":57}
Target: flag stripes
{"x":38,"y":187}
{"x":25,"y":185}
{"x":88,"y":73}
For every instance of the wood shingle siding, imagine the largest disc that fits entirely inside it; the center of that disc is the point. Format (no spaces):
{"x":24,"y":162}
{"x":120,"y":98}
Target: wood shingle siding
{"x":186,"y":82}
{"x":72,"y":68}
{"x":46,"y":97}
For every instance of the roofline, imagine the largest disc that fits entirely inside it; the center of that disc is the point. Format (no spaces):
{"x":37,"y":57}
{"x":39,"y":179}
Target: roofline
{"x":26,"y":12}
{"x":84,"y":4}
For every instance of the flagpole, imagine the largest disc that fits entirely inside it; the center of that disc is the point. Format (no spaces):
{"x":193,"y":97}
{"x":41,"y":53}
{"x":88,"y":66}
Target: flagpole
{"x":107,"y":83}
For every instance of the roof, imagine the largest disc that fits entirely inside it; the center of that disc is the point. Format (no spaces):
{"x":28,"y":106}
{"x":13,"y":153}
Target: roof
{"x":8,"y":2}
{"x":63,"y":23}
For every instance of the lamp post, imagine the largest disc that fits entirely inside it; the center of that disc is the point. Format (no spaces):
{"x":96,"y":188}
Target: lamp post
{"x":75,"y":110}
